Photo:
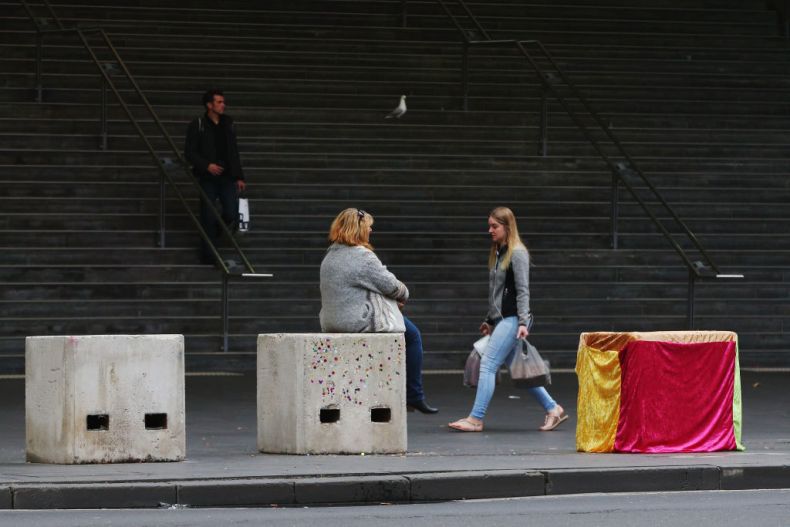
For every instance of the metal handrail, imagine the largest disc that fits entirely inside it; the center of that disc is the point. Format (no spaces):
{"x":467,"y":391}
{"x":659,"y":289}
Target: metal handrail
{"x":697,"y":270}
{"x":782,"y":8}
{"x":160,"y":163}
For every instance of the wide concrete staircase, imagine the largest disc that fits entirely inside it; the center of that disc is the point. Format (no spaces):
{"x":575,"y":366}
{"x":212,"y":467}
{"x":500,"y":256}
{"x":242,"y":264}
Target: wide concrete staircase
{"x":696,"y":92}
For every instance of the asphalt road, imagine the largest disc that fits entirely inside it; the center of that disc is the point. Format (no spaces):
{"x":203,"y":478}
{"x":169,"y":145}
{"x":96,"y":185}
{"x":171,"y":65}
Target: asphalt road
{"x":755,"y":508}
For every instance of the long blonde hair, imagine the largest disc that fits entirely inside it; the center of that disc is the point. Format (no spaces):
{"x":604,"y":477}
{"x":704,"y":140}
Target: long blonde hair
{"x":505,"y":217}
{"x":352,"y":227}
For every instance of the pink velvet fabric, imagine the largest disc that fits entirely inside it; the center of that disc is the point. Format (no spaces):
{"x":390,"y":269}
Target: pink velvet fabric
{"x":676,"y":397}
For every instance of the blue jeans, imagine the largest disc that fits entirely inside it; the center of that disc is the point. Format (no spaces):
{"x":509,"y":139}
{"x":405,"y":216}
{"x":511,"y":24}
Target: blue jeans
{"x":413,"y":339}
{"x":500,"y":349}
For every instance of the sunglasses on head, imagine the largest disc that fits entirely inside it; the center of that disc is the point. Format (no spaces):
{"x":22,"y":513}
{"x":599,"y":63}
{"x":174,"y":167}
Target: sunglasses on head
{"x":361,"y":213}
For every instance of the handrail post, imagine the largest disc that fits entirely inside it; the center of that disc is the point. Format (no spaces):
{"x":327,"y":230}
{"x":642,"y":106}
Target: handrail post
{"x":39,"y":56}
{"x":103,"y":110}
{"x":786,"y":19}
{"x":543,"y":146}
{"x":162,"y":205}
{"x":465,"y":74}
{"x":690,"y":308}
{"x":225,"y":313}
{"x":782,"y":7}
{"x":615,"y":210}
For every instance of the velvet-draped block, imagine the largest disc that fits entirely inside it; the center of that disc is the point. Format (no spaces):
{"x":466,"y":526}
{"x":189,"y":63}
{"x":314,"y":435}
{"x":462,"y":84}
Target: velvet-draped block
{"x":659,"y":391}
{"x":676,"y":397}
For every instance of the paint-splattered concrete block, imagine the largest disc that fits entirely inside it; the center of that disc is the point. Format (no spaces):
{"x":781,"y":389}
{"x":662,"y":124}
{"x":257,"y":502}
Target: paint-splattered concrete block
{"x":331,"y":393}
{"x":104,"y":398}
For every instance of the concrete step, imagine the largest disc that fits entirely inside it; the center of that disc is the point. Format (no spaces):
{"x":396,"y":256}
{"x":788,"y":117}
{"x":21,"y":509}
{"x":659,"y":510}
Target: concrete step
{"x":697,"y":98}
{"x":544,"y":292}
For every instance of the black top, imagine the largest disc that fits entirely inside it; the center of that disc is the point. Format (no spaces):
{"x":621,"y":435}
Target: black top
{"x":221,"y":145}
{"x":208,"y":143}
{"x":509,"y":304}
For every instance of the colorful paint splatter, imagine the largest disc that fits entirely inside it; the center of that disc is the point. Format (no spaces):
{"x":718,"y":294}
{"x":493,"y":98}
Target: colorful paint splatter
{"x":345,"y":371}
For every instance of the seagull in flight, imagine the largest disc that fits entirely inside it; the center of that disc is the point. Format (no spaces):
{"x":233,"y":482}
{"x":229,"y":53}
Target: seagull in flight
{"x":398,"y":112}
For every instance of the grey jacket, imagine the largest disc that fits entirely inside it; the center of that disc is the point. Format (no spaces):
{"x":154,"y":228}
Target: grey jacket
{"x":348,"y":277}
{"x":499,"y":289}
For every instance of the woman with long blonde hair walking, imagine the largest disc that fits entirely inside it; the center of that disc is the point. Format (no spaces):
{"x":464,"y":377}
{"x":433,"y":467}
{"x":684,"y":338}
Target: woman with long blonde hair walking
{"x":509,"y":319}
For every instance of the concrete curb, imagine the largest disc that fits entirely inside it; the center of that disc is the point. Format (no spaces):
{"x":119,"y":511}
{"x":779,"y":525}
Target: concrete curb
{"x":5,"y":498}
{"x":351,"y":489}
{"x":403,"y":488}
{"x":774,"y":477}
{"x":93,"y":496}
{"x":235,"y":493}
{"x":476,"y":485}
{"x":633,"y":480}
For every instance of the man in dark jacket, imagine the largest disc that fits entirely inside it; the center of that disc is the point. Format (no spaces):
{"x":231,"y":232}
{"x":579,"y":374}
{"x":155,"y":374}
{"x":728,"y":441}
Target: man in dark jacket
{"x":212,"y":150}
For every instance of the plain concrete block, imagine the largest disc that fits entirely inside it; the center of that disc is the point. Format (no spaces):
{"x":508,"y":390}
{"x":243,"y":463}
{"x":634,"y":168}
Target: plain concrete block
{"x":770,"y":477}
{"x":359,"y":489}
{"x":331,"y":393}
{"x":236,"y":493}
{"x":476,"y":485}
{"x":632,"y":480}
{"x":104,"y":398}
{"x":94,"y":496}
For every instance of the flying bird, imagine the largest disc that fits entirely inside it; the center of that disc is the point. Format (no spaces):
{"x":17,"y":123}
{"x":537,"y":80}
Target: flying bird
{"x":398,"y":112}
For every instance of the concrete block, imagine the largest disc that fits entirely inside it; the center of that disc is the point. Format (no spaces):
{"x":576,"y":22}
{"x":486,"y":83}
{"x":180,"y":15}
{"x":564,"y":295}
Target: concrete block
{"x":236,"y":493}
{"x":476,"y":485}
{"x":660,"y":479}
{"x":334,"y":393}
{"x":104,"y":398}
{"x":94,"y":496}
{"x":358,"y":489}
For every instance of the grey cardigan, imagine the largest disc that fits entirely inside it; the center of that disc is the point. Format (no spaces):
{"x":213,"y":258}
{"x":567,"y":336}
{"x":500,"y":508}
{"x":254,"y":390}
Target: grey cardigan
{"x":349,"y":274}
{"x":519,"y":262}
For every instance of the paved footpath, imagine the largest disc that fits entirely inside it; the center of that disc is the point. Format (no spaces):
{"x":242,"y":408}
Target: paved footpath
{"x":510,"y":458}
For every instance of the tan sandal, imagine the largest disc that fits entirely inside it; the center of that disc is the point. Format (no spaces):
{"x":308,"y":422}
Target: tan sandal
{"x":465,"y":425}
{"x":553,"y":419}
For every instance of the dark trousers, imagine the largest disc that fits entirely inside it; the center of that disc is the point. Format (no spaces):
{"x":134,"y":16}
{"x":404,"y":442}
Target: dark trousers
{"x":225,"y":192}
{"x":414,"y":393}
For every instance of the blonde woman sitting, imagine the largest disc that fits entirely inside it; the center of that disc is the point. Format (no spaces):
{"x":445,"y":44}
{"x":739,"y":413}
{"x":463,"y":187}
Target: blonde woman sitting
{"x":351,"y":278}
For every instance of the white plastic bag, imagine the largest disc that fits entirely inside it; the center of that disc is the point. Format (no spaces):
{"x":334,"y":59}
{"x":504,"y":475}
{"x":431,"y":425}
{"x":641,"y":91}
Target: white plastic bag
{"x":480,"y":344}
{"x":387,"y":317}
{"x":244,"y":215}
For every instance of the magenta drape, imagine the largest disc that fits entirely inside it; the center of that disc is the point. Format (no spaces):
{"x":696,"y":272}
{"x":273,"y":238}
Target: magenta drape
{"x":676,"y":397}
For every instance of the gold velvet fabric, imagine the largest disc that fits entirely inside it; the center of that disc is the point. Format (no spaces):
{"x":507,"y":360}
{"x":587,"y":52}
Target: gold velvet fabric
{"x":598,"y":405}
{"x":686,"y":337}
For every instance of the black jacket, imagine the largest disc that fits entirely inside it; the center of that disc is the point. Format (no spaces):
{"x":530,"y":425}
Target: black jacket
{"x":199,"y":148}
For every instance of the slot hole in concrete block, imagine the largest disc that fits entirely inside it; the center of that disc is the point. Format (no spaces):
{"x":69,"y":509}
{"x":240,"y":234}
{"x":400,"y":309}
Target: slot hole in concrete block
{"x":155,"y":421}
{"x":98,"y":422}
{"x":330,"y":415}
{"x":380,"y":415}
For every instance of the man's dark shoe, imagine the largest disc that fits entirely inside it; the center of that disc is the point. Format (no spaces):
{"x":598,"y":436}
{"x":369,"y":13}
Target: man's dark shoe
{"x":421,"y":406}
